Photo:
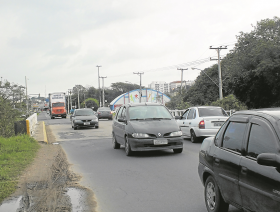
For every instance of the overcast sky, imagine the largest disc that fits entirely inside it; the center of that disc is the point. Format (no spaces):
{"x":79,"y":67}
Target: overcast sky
{"x":58,"y":43}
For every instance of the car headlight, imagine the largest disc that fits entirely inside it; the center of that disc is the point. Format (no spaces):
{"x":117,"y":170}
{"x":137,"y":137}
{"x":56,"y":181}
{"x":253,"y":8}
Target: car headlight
{"x":178,"y":133}
{"x":140,"y":135}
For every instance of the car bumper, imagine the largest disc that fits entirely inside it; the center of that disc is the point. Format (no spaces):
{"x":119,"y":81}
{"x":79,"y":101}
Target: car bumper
{"x":82,"y":124}
{"x":105,"y":116}
{"x":58,"y":115}
{"x":148,"y":144}
{"x":205,"y":132}
{"x":201,"y":168}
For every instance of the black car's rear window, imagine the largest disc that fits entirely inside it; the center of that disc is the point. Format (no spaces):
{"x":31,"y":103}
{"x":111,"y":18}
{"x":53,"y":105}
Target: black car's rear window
{"x":104,"y":109}
{"x":147,"y":112}
{"x":84,"y":113}
{"x":203,"y":112}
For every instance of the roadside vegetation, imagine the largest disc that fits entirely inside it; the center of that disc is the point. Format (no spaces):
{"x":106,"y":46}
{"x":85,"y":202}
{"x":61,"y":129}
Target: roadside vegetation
{"x":15,"y":154}
{"x":250,"y":72}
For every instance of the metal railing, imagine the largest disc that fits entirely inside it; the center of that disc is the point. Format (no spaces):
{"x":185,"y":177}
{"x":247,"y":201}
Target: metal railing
{"x":180,"y":112}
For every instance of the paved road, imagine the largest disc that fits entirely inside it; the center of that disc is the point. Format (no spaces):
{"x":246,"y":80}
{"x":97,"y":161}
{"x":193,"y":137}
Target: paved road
{"x":149,"y":181}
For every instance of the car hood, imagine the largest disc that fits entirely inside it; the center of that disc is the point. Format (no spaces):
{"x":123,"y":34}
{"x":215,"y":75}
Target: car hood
{"x":84,"y":117}
{"x":155,"y":126}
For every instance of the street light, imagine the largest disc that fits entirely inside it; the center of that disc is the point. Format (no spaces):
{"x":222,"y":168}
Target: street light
{"x":206,"y":75}
{"x":99,"y":85}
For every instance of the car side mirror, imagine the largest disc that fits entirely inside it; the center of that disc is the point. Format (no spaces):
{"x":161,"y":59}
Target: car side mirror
{"x":268,"y":159}
{"x":177,"y":117}
{"x":121,"y":120}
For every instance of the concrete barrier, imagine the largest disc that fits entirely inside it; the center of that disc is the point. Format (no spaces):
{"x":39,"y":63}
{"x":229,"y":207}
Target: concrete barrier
{"x":31,"y":122}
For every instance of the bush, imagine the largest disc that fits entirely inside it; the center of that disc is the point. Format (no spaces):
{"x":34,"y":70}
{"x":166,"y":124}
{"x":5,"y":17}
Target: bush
{"x":230,"y":102}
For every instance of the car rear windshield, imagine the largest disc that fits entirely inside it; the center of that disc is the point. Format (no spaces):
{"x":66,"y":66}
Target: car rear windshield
{"x":203,"y":112}
{"x":84,"y":113}
{"x":59,"y":104}
{"x":104,"y":109}
{"x":149,"y":112}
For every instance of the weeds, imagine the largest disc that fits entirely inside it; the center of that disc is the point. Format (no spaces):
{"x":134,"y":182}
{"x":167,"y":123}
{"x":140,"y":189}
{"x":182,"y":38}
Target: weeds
{"x":15,"y":154}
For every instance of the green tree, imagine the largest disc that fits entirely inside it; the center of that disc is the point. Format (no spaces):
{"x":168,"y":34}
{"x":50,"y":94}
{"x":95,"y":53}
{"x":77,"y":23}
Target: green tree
{"x":253,"y":66}
{"x":90,"y":103}
{"x":230,"y":103}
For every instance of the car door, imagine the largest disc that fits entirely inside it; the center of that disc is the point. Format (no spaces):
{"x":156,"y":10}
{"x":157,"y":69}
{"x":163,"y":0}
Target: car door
{"x":117,"y":125}
{"x":227,"y":159}
{"x":189,"y":120}
{"x":182,"y":122}
{"x":123,"y":126}
{"x":260,"y":185}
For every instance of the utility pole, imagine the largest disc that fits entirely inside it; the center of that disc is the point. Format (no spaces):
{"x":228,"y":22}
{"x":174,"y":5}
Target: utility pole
{"x":219,"y":69}
{"x":182,"y":69}
{"x":140,"y":92}
{"x":70,"y":97}
{"x":99,"y":85}
{"x":68,"y":102}
{"x":78,"y":98}
{"x":103,"y":101}
{"x":26,"y":95}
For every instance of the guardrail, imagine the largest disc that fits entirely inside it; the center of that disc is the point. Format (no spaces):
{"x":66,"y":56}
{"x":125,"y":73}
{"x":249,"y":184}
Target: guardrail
{"x":31,"y":122}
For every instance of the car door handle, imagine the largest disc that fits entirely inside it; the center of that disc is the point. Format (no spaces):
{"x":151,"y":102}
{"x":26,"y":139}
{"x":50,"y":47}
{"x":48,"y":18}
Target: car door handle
{"x":244,"y":170}
{"x":217,"y":160}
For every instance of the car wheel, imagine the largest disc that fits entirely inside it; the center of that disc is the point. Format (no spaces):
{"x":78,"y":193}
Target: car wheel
{"x":127,"y":148}
{"x":96,"y":127}
{"x":194,"y":139}
{"x":116,"y":145}
{"x":213,"y":198}
{"x":178,"y":150}
{"x":75,"y":127}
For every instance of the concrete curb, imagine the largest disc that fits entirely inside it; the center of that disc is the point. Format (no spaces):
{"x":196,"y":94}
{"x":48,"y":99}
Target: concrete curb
{"x":44,"y":133}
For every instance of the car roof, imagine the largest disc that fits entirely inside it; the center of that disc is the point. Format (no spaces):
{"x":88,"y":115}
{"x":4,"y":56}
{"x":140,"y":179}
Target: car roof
{"x":271,"y":112}
{"x":207,"y":107}
{"x":143,"y":104}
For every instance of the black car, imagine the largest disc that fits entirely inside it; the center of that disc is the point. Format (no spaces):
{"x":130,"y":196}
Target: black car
{"x":146,"y":127}
{"x":84,"y":118}
{"x":104,"y":113}
{"x":241,"y":164}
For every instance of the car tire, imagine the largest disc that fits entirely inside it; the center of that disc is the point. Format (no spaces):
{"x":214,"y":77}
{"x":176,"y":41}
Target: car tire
{"x":75,"y":127}
{"x":178,"y":150}
{"x":116,"y":145}
{"x":194,"y":139}
{"x":127,"y":148}
{"x":213,"y":198}
{"x":96,"y":127}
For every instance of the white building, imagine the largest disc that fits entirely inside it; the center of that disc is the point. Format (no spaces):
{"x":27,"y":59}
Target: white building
{"x":173,"y":86}
{"x":159,"y":86}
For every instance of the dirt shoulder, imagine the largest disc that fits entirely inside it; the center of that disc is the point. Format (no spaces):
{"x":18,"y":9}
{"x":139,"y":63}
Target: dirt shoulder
{"x":46,"y":183}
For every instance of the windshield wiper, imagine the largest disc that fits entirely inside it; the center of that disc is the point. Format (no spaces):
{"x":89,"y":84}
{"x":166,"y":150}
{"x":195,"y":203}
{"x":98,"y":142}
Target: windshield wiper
{"x":136,"y":119}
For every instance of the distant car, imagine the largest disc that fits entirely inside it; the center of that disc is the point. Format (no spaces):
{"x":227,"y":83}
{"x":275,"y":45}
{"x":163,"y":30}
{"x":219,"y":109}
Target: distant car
{"x":104,"y":113}
{"x":84,"y":118}
{"x":201,"y":122}
{"x":146,"y":127}
{"x":241,"y":164}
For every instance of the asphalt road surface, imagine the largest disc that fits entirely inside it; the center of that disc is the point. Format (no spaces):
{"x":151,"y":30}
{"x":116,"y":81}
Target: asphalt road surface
{"x":159,"y":181}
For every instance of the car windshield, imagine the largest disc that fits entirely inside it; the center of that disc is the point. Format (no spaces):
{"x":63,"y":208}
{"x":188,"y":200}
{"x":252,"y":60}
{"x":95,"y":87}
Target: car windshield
{"x":59,"y":104}
{"x":212,"y":111}
{"x":149,"y":112}
{"x":84,"y":113}
{"x":104,"y":109}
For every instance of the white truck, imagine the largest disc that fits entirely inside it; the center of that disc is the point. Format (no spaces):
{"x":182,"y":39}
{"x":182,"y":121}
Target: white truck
{"x":57,"y":105}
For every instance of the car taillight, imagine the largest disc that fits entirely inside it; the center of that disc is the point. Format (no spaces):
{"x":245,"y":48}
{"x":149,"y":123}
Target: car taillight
{"x":201,"y":124}
{"x":111,"y":112}
{"x":99,"y":113}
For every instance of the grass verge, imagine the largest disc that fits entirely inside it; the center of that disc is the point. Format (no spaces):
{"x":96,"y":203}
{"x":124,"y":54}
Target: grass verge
{"x":15,"y":154}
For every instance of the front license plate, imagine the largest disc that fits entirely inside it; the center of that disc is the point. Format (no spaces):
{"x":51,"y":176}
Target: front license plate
{"x":87,"y":123}
{"x":160,"y":142}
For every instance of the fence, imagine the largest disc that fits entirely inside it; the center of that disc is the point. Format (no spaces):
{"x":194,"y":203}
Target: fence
{"x":31,"y":122}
